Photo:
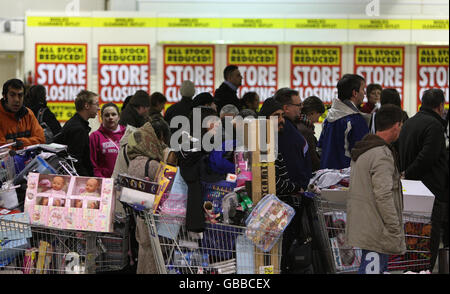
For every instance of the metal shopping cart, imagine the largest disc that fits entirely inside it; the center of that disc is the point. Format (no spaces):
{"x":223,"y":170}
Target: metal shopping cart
{"x":32,"y":249}
{"x":346,"y":259}
{"x":219,"y":249}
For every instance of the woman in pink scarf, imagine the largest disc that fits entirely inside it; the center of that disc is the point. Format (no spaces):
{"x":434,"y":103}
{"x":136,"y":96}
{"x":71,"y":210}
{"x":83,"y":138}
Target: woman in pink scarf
{"x":104,"y":142}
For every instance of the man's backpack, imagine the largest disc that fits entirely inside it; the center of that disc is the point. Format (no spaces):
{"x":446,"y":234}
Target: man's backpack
{"x":49,"y":136}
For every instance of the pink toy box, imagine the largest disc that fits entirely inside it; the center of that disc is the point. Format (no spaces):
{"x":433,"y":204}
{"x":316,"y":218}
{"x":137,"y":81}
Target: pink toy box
{"x":73,"y":203}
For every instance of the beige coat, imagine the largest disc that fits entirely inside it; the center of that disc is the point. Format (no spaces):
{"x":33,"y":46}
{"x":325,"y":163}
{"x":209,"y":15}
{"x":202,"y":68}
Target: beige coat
{"x":375,"y":203}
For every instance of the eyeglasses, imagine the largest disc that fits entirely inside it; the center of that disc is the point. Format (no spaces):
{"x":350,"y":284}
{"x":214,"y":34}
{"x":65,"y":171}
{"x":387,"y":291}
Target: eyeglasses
{"x":298,"y":105}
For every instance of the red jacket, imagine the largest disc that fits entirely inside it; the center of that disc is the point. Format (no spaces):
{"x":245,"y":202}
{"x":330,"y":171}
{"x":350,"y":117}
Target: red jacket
{"x":104,"y":146}
{"x":22,"y":126}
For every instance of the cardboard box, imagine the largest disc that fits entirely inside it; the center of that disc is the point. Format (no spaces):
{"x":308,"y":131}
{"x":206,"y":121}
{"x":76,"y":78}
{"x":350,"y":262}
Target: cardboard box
{"x":71,"y":207}
{"x":417,"y":197}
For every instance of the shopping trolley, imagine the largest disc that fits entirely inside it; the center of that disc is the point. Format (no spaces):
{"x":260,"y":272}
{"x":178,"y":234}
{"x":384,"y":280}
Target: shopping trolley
{"x":35,"y":249}
{"x":220,"y":249}
{"x":347,"y":259}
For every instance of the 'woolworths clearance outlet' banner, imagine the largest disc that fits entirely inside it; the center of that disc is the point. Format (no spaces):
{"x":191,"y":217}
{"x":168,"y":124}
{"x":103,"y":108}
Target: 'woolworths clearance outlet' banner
{"x":122,"y":70}
{"x":381,"y":65}
{"x":188,"y":62}
{"x":315,"y":71}
{"x":62,"y":70}
{"x":432,"y":70}
{"x":258,"y":66}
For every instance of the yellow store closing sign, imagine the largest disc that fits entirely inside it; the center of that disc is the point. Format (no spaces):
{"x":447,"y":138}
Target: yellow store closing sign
{"x":188,"y":62}
{"x":432,"y":71}
{"x":258,"y":66}
{"x":62,"y":69}
{"x":382,"y":65}
{"x":315,"y":71}
{"x":122,"y":70}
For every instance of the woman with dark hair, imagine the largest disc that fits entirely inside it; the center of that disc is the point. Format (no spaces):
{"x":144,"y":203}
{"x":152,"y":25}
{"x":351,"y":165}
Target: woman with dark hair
{"x":105,"y":142}
{"x":373,"y":97}
{"x":250,"y":100}
{"x":312,"y":109}
{"x":157,"y":102}
{"x":35,"y":99}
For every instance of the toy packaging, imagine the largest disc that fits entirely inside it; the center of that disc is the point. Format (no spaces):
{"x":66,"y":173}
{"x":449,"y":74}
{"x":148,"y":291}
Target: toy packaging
{"x":164,"y":178}
{"x":67,"y":202}
{"x":214,"y":193}
{"x":345,"y":257}
{"x":137,"y":191}
{"x":267,"y":222}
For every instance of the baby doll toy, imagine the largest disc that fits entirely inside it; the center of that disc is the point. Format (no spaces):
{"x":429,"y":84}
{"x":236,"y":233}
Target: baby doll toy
{"x":57,"y":186}
{"x":91,"y":188}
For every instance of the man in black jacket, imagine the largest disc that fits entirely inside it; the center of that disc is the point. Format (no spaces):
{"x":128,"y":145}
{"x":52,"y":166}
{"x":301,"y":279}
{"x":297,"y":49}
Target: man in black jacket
{"x":182,"y":107}
{"x":423,"y":157}
{"x":226,"y":93}
{"x":75,"y":132}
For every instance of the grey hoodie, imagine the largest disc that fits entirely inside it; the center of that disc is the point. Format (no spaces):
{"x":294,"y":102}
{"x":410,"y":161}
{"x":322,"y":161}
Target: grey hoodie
{"x":340,"y":109}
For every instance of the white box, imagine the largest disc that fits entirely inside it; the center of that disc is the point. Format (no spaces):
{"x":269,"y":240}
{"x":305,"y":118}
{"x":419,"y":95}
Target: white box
{"x":335,"y":196}
{"x":417,"y":197}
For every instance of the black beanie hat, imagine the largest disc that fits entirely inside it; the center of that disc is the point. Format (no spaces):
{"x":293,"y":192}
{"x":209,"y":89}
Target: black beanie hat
{"x":269,"y":106}
{"x":140,"y":98}
{"x":203,"y":98}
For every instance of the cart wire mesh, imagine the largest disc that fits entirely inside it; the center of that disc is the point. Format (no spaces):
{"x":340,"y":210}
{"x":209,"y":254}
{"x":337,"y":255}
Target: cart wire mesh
{"x":220,"y":249}
{"x":33,"y":249}
{"x":347,"y":259}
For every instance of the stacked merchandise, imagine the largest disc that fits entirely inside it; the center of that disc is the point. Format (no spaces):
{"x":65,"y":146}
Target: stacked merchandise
{"x":417,"y":256}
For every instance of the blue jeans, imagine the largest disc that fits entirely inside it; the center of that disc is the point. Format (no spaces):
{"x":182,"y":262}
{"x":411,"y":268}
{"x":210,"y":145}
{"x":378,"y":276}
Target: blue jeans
{"x":373,"y":262}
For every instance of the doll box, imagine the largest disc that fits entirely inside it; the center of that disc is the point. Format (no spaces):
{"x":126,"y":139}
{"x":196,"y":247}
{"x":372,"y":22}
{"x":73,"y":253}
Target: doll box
{"x":68,"y":202}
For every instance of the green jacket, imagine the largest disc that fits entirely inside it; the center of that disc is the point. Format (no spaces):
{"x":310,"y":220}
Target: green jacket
{"x":375,"y":202}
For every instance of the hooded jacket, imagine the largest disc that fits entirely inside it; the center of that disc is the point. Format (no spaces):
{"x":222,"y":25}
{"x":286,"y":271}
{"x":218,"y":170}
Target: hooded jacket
{"x":22,"y":126}
{"x":344,"y":126}
{"x":375,"y":199}
{"x":104,"y":146}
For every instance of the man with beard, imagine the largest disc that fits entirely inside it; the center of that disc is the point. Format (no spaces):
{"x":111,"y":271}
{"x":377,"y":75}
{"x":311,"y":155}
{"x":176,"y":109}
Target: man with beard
{"x":287,"y":190}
